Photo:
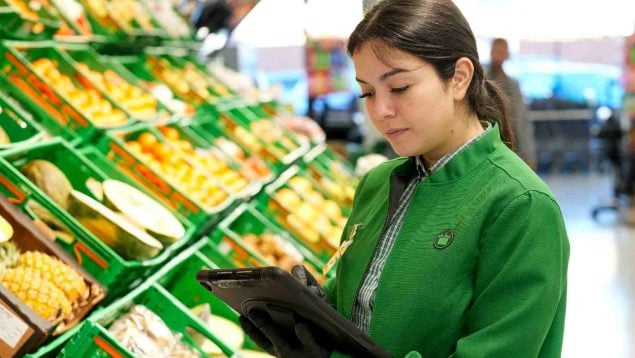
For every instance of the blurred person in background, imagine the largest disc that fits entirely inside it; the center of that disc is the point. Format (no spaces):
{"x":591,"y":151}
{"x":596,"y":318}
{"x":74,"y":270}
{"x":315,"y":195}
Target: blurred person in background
{"x":522,"y":128}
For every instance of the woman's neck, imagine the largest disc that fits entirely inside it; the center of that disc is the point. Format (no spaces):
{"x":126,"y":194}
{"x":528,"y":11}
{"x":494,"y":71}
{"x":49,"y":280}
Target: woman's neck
{"x":468,"y":130}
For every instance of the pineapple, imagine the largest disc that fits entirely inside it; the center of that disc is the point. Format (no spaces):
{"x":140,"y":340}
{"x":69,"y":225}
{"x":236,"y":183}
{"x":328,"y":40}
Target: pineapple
{"x":57,"y":272}
{"x":42,"y":296}
{"x":47,"y":285}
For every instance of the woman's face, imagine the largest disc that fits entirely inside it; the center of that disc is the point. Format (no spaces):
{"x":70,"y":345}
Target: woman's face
{"x":407,"y":102}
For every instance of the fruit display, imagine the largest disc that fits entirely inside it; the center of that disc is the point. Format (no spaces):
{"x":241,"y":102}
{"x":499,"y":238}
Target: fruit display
{"x":274,"y":249}
{"x":303,"y":126}
{"x":130,"y":222}
{"x":169,"y":20}
{"x":308,"y":214}
{"x":75,"y":13}
{"x":208,"y":161}
{"x":140,"y":104}
{"x":145,"y":334}
{"x":258,"y":168}
{"x":54,"y":290}
{"x":273,"y":135}
{"x":87,"y":100}
{"x":172,"y":160}
{"x":227,"y":331}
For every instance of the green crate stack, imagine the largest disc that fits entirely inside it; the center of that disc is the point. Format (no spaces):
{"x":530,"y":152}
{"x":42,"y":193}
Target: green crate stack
{"x":56,"y":113}
{"x":108,"y":267}
{"x":229,"y":238}
{"x":293,"y":209}
{"x":189,"y":292}
{"x":113,"y":145}
{"x":17,"y":124}
{"x":25,"y":22}
{"x":94,"y":339}
{"x":83,"y":54}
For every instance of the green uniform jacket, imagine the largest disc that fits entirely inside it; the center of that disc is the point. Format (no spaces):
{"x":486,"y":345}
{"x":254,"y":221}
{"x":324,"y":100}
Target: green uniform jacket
{"x":479,"y":266}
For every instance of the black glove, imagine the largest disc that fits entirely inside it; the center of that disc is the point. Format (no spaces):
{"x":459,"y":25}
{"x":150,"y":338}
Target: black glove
{"x":303,"y":341}
{"x":300,"y":273}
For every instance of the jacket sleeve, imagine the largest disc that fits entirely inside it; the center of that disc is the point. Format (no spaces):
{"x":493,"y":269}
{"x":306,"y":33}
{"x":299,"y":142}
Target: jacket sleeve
{"x":520,"y":283}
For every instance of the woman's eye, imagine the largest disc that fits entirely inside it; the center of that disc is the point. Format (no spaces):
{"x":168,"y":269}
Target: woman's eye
{"x":365,"y":94}
{"x":399,"y":89}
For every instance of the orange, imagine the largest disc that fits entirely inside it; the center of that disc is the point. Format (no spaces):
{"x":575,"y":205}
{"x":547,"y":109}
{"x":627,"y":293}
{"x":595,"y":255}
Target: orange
{"x":134,"y":147}
{"x":147,"y":141}
{"x":162,"y":152}
{"x":170,"y":133}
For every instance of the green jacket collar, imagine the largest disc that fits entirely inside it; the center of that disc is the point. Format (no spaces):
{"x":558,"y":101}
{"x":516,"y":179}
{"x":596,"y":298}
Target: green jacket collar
{"x":462,"y":163}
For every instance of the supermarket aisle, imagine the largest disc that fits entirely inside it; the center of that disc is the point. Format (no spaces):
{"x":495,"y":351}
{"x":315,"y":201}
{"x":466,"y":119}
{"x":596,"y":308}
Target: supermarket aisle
{"x":601,"y":302}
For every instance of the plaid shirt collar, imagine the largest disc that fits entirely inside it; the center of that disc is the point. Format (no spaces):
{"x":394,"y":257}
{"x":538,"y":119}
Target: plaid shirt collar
{"x":423,"y":172}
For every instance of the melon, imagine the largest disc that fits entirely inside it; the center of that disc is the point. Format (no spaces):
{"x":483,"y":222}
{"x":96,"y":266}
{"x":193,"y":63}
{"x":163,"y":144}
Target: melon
{"x":143,"y":211}
{"x":115,"y":230}
{"x":50,"y":179}
{"x":6,"y":230}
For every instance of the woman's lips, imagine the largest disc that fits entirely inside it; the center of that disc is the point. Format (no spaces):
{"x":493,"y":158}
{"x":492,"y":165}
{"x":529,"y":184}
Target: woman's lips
{"x":394,"y":133}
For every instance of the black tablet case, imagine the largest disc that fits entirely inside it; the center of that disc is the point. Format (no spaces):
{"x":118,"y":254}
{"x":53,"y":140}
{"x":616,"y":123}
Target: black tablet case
{"x":285,"y":300}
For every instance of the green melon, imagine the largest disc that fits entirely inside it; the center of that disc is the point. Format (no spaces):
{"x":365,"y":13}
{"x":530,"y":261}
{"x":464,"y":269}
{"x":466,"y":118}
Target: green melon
{"x":50,"y":179}
{"x":143,"y":211}
{"x":115,"y":230}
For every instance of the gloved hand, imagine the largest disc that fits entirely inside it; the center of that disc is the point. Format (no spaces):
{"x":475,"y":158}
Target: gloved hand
{"x":281,"y":342}
{"x":300,"y":273}
{"x":303,"y":341}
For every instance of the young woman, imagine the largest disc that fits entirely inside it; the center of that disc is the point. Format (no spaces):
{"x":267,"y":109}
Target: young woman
{"x":458,"y":248}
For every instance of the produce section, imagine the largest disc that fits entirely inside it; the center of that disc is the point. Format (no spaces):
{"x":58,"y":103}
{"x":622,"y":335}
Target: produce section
{"x":134,"y":166}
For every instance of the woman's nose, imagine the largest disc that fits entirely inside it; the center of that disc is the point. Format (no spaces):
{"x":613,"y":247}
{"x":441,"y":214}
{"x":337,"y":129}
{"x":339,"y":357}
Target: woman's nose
{"x":384,"y":107}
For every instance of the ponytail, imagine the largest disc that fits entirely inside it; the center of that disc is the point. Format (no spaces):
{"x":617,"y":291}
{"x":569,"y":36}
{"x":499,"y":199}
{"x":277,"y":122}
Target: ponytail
{"x":490,"y":103}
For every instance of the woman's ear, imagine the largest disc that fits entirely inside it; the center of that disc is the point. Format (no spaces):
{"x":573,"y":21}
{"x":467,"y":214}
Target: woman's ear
{"x":463,"y":72}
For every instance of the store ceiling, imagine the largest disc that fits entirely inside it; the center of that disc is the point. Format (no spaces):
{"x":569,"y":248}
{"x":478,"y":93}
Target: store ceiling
{"x":549,"y":19}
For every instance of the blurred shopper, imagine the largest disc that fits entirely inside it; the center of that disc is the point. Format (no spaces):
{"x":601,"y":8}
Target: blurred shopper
{"x":456,"y":249}
{"x":522,"y":127}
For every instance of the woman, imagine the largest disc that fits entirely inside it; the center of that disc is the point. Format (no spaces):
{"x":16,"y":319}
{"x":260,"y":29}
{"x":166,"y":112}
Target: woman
{"x":457,"y":249}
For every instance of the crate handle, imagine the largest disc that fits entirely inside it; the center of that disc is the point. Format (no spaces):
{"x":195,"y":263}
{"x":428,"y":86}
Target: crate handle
{"x":107,"y":347}
{"x":19,"y":196}
{"x":79,"y":246}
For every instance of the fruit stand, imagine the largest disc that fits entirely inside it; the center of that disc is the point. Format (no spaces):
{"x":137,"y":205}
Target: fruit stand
{"x":125,"y":167}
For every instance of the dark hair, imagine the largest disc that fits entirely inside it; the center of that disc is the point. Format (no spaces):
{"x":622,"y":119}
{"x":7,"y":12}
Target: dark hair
{"x":437,"y":32}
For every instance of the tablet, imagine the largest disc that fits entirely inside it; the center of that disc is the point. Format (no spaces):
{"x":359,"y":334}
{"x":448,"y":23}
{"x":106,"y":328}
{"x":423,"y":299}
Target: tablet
{"x":276,"y":292}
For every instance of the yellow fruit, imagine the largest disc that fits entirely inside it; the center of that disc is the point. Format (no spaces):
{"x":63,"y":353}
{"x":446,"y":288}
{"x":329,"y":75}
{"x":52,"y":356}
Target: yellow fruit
{"x":57,"y":272}
{"x":6,"y":230}
{"x":42,"y":296}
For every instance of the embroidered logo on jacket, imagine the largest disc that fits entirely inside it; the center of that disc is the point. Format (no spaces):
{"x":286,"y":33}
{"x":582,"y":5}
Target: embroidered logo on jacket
{"x":443,"y":239}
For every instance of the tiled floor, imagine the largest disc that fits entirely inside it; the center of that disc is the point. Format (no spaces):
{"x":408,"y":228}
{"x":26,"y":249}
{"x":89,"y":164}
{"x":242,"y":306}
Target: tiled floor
{"x":601,"y":296}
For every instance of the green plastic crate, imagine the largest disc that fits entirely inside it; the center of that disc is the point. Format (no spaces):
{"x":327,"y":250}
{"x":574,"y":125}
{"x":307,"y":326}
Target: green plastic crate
{"x":114,"y":147}
{"x":79,"y":53}
{"x":179,"y":278}
{"x":53,"y":347}
{"x":114,"y":272}
{"x":17,"y":26}
{"x":187,"y":130}
{"x":280,"y":213}
{"x":247,"y":220}
{"x":54,"y":111}
{"x":17,"y":123}
{"x":95,"y":340}
{"x":209,"y":122}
